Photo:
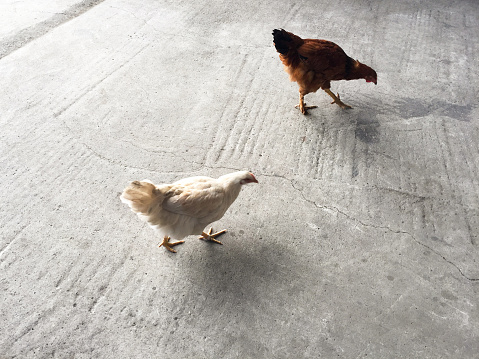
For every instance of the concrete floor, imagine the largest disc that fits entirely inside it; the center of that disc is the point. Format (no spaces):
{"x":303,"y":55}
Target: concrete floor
{"x":361,"y":240}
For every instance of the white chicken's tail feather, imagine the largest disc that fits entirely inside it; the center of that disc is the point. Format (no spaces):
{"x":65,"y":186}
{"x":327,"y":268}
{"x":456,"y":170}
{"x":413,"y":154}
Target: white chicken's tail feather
{"x":141,"y":196}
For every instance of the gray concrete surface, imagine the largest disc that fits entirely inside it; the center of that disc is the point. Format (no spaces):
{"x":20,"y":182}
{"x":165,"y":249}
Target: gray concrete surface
{"x":360,"y":241}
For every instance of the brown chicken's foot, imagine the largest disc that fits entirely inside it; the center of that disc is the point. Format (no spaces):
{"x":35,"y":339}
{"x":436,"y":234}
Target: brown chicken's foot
{"x":211,"y":236}
{"x":166,"y":243}
{"x":337,"y":100}
{"x":304,"y":108}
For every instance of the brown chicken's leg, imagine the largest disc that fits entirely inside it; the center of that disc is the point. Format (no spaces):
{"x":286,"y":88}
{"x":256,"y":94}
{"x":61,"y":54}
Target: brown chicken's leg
{"x":302,"y":106}
{"x":211,"y":237}
{"x":166,"y":243}
{"x":337,"y":100}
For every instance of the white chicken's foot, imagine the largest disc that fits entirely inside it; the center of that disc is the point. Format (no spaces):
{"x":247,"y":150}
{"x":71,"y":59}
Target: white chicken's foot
{"x":166,"y":243}
{"x":337,"y":100}
{"x":211,"y":236}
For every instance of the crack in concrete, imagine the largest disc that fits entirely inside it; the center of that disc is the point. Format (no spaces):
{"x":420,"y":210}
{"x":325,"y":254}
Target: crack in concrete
{"x":119,"y":163}
{"x":395,"y":231}
{"x":25,"y":36}
{"x":445,"y":259}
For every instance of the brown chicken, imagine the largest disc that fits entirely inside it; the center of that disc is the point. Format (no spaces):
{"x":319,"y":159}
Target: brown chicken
{"x":313,"y":64}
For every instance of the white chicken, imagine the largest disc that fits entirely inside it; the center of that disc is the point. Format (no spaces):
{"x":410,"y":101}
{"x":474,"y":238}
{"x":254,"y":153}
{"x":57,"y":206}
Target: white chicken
{"x":187,"y":206}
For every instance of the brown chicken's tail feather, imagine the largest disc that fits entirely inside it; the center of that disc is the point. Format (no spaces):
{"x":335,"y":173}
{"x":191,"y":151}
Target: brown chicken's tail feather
{"x":141,"y":196}
{"x":285,"y":41}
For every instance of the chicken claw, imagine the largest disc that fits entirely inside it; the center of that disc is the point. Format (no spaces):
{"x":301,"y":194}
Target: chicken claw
{"x":166,"y":243}
{"x":304,"y":108}
{"x":337,"y":100}
{"x":302,"y":105}
{"x":211,"y":236}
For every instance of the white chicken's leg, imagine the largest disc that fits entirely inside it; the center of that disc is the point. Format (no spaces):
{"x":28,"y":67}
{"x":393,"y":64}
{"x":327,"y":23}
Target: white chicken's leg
{"x":302,"y":106}
{"x":166,"y":243}
{"x":211,"y":236}
{"x":337,"y":99}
